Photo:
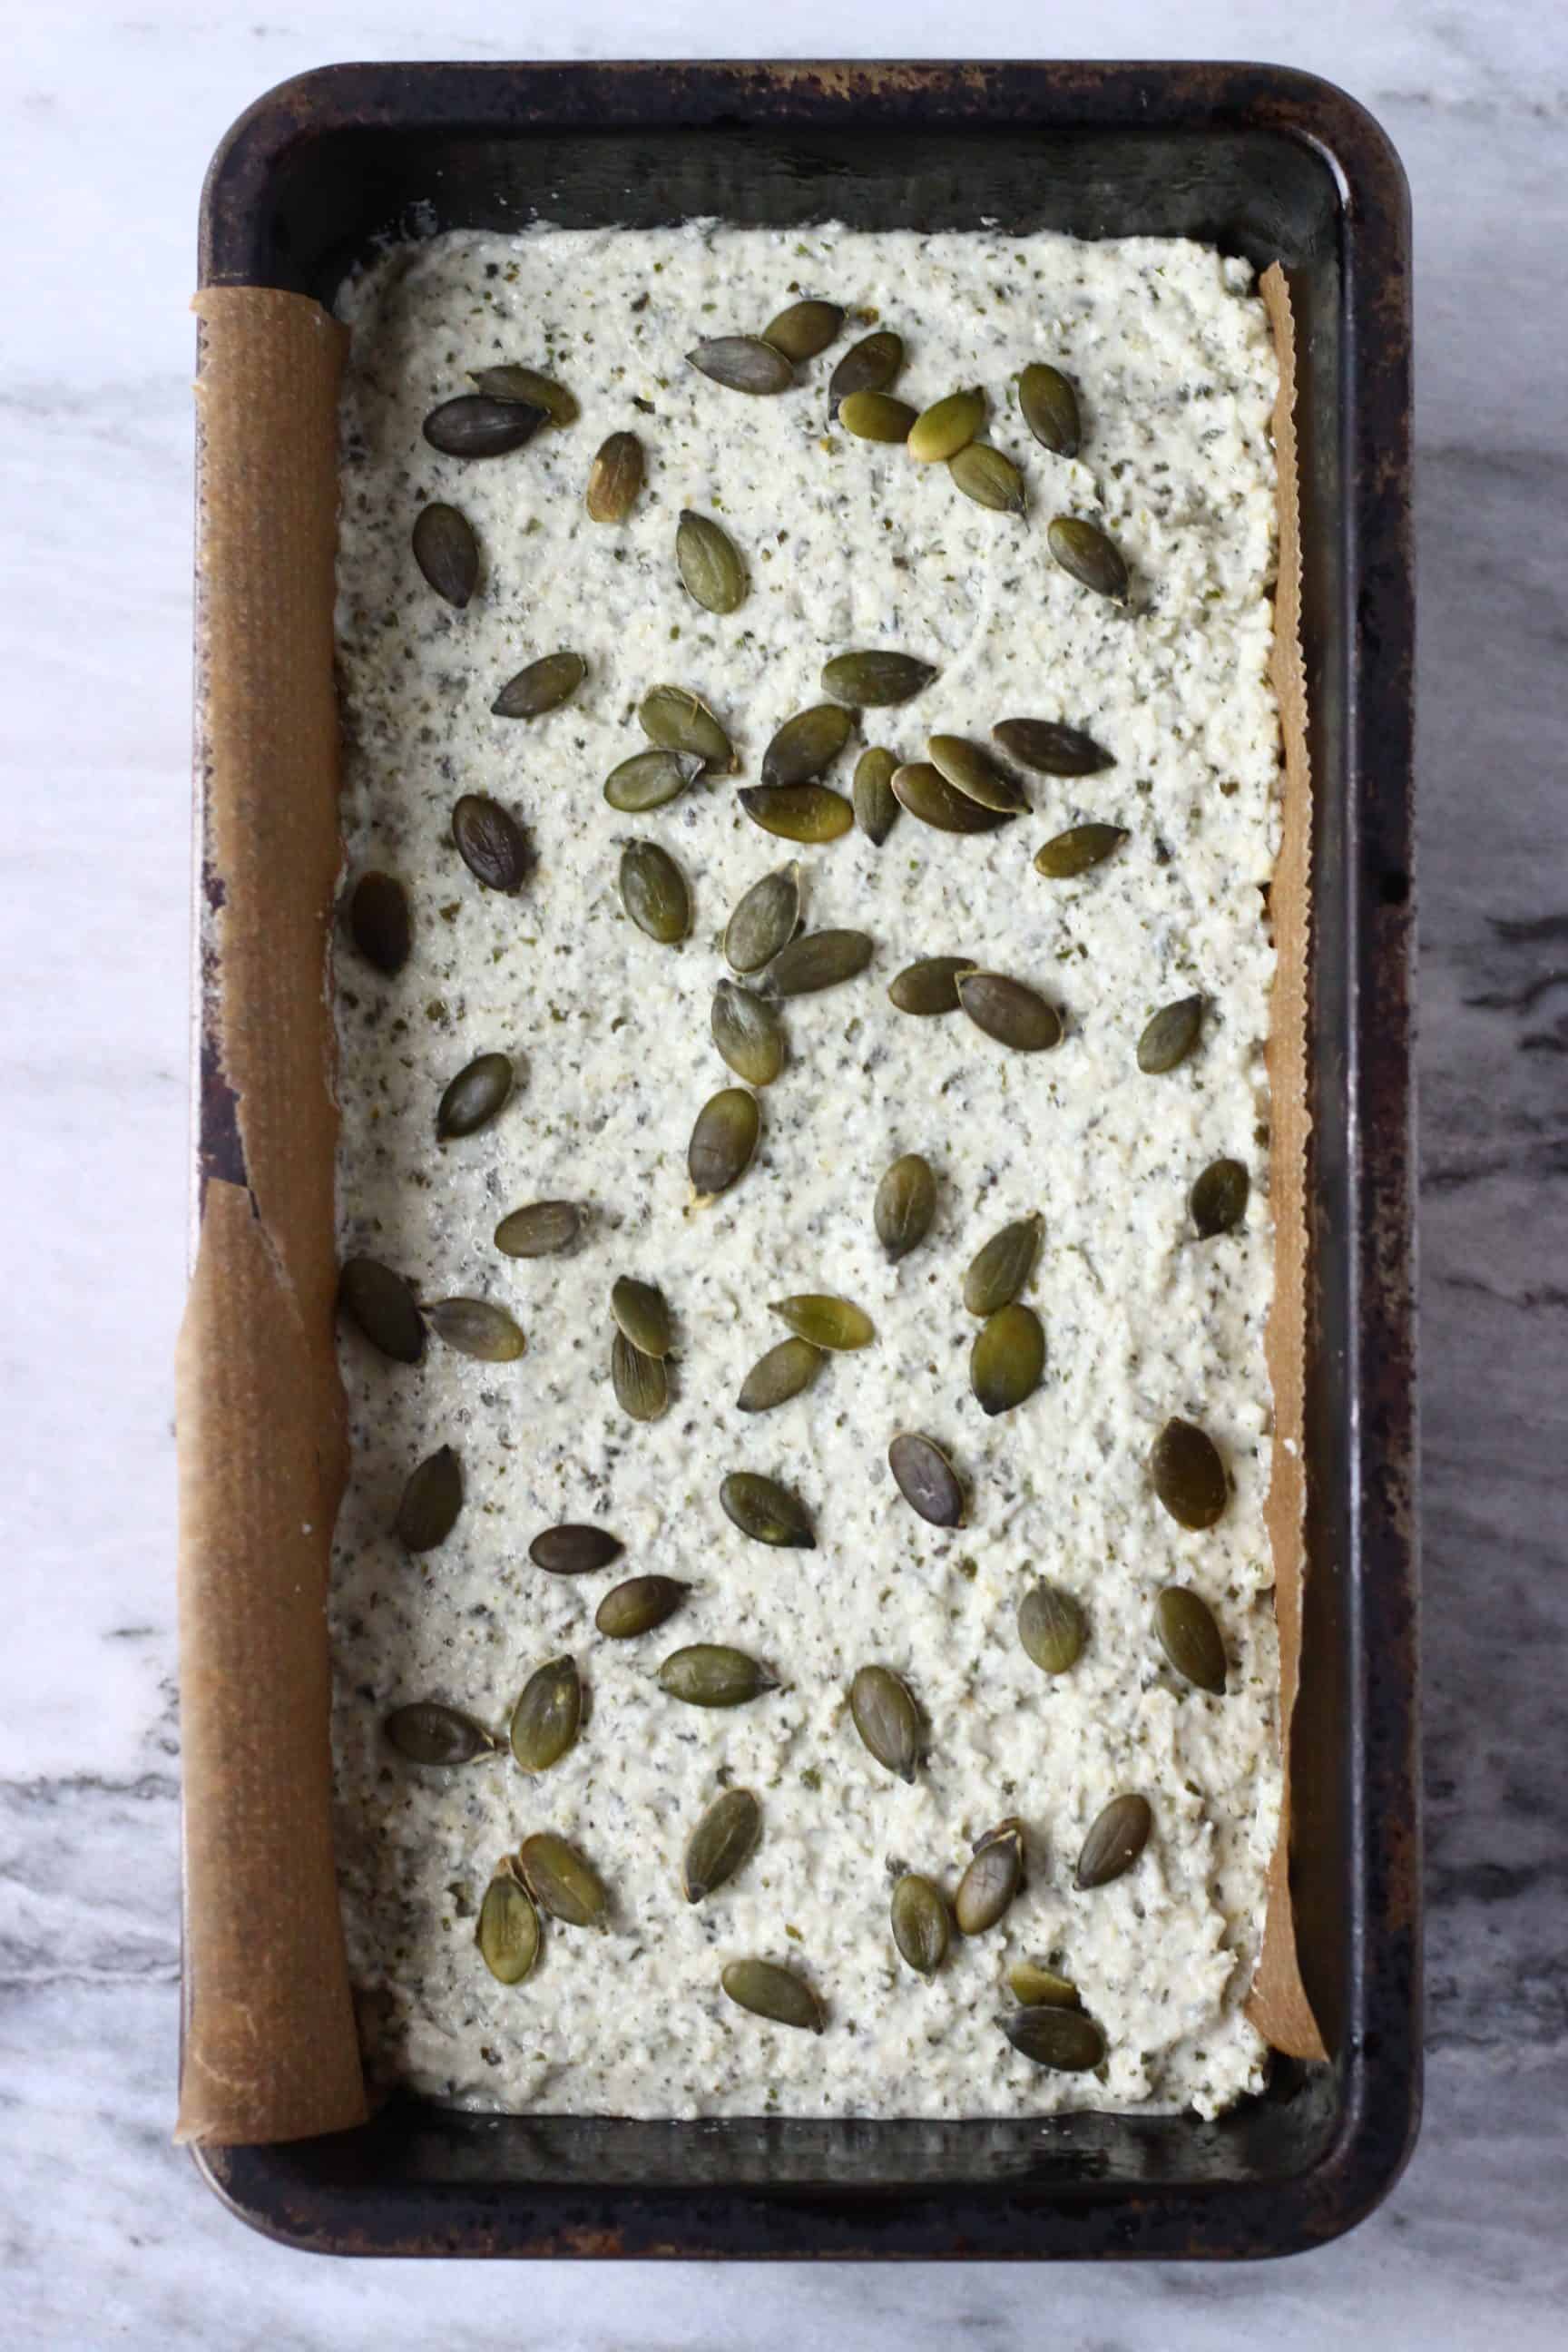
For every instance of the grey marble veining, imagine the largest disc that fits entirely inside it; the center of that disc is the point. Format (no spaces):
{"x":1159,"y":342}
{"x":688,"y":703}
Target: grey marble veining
{"x":106,"y":2235}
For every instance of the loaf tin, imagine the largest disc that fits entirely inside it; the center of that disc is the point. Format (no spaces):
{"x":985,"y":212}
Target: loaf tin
{"x":1269,"y":163}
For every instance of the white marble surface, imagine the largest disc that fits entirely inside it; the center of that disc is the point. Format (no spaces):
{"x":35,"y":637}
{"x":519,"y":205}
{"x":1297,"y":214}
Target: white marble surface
{"x":106,"y":2235}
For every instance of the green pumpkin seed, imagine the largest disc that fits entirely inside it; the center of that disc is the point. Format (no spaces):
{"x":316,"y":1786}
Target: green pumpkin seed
{"x":1051,"y":749}
{"x":477,"y":1095}
{"x":573,"y":1550}
{"x":1037,"y":1987}
{"x":447,"y":552}
{"x":1007,"y":1359}
{"x":873,"y":798}
{"x":1051,"y":1628}
{"x":379,"y":922}
{"x":1218,"y":1199}
{"x":638,"y":1605}
{"x":925,"y":792}
{"x":650,"y":780}
{"x":474,"y":1327}
{"x":1083,"y":550}
{"x":560,"y":1881}
{"x":783,"y":1373}
{"x":709,"y":564}
{"x":431,"y":1501}
{"x":1063,"y":2038}
{"x":544,"y":686}
{"x":641,"y":1382}
{"x":992,"y":1879}
{"x":824,"y":1322}
{"x":472,"y":426}
{"x":1001,"y":1266}
{"x":743,"y":363}
{"x":490,"y":842}
{"x":508,"y":1929}
{"x":541,"y":1230}
{"x":922,"y":1927}
{"x":1190,"y":1638}
{"x":654,"y":893}
{"x":721,"y":1844}
{"x":809,"y":812}
{"x":679,"y":720}
{"x":1008,"y":1011}
{"x":775,"y":1993}
{"x":1171,"y":1035}
{"x":883,"y":1711}
{"x":816,"y":960}
{"x":1117,"y":1837}
{"x":722,"y":1142}
{"x":804,"y":330}
{"x":946,"y":427}
{"x":545,"y":1719}
{"x":905,"y":1205}
{"x":427,"y":1732}
{"x":990,"y":478}
{"x":1049,"y":407}
{"x":707,"y":1674}
{"x":382,"y":1307}
{"x":931,"y":986}
{"x":765,"y":1511}
{"x":749,"y":1033}
{"x":927,"y":1480}
{"x":1076,"y":851}
{"x":975,"y":773}
{"x":507,"y":380}
{"x":874,"y":678}
{"x":764,"y":921}
{"x":1189,"y":1477}
{"x":870,"y":365}
{"x":876,"y":417}
{"x":642,"y":1312}
{"x":805,"y":744}
{"x":615,"y":478}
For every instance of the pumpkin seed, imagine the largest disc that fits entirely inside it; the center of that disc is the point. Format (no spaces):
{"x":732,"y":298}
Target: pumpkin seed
{"x":642,"y":1311}
{"x":876,"y":417}
{"x":993,"y":1878}
{"x":709,"y":564}
{"x":884,"y":1713}
{"x":874,"y":678}
{"x":927,"y":1480}
{"x":641,"y":1382}
{"x":1218,"y":1200}
{"x":749,"y":1033}
{"x":383,"y":1306}
{"x":1001,"y":1266}
{"x":650,"y":780}
{"x":930,"y":986}
{"x":1051,"y":749}
{"x":1189,"y":1477}
{"x":573,"y":1550}
{"x":379,"y":922}
{"x":1007,"y":1359}
{"x":743,"y":363}
{"x":508,"y":1929}
{"x":1171,"y":1035}
{"x":615,"y":478}
{"x":775,"y":1993}
{"x":1051,"y":1628}
{"x":721,"y":1844}
{"x":989,"y":478}
{"x":560,"y":1881}
{"x":722,"y":1142}
{"x":447,"y":552}
{"x":805,"y":744}
{"x":679,"y":720}
{"x":1063,"y":2038}
{"x":824,"y":1322}
{"x":765,"y":1511}
{"x":766,"y":919}
{"x":875,"y":805}
{"x":544,"y":686}
{"x":707,"y":1674}
{"x":507,"y":380}
{"x":540,"y":1230}
{"x":427,"y":1732}
{"x":1076,"y":851}
{"x":431,"y":1501}
{"x":1004,"y":1008}
{"x":816,"y":960}
{"x":905,"y":1205}
{"x":783,"y":1373}
{"x":477,"y":1095}
{"x":922,"y":1927}
{"x":545,"y":1719}
{"x":475,"y":1327}
{"x":946,"y":427}
{"x":1049,"y":407}
{"x":1038,"y":1988}
{"x":490,"y":842}
{"x":1083,"y":550}
{"x":473,"y":425}
{"x":870,"y":365}
{"x":925,"y":792}
{"x":654,"y":893}
{"x":638,"y":1605}
{"x":804,"y":330}
{"x":1190,"y":1638}
{"x":1117,"y":1837}
{"x":809,"y":813}
{"x":975,"y":773}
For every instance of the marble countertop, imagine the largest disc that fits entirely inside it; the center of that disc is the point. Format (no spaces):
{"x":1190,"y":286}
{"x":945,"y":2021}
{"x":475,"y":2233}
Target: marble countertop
{"x":107,"y":2236}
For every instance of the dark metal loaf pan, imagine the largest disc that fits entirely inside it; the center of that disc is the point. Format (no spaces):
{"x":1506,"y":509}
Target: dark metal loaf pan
{"x":1272,"y":164}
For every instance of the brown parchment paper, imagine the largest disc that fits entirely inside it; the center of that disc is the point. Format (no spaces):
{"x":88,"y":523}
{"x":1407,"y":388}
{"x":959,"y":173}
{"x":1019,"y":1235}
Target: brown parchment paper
{"x":270,"y":2048}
